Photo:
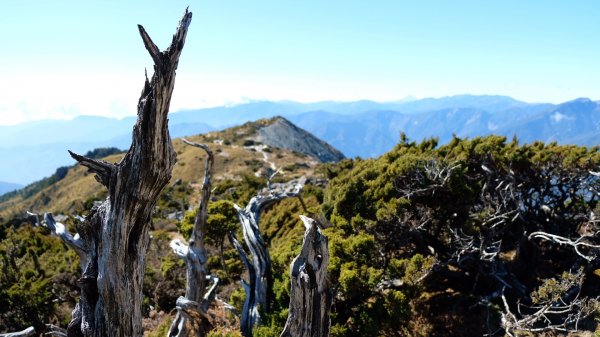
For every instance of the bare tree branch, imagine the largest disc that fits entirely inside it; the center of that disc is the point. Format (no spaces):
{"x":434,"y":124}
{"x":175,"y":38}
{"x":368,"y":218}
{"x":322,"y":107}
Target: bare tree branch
{"x":576,"y":244}
{"x":210,"y":295}
{"x":102,"y":169}
{"x":558,"y":309}
{"x":50,"y":330}
{"x":150,"y":46}
{"x":195,"y":259}
{"x":23,"y":333}
{"x":61,"y":231}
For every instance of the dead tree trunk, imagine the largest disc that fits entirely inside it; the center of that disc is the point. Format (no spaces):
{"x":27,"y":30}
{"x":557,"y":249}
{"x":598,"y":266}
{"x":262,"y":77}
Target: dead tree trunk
{"x":191,"y":318}
{"x":310,"y":297}
{"x":260,"y":281}
{"x":114,"y":238}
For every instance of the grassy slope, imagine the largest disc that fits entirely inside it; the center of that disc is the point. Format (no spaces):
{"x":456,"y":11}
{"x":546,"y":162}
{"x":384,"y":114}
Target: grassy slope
{"x":231,"y":162}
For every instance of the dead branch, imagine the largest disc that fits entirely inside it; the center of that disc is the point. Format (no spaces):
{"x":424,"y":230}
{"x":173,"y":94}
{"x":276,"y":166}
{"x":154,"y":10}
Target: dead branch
{"x":50,"y":330}
{"x":576,"y":244}
{"x":561,"y":310}
{"x":60,"y":230}
{"x":23,"y":333}
{"x":194,"y":255}
{"x":261,"y":281}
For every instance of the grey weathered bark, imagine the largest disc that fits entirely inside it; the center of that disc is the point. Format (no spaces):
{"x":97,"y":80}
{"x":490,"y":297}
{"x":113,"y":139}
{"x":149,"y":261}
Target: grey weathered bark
{"x":250,"y":316}
{"x":310,"y":296}
{"x":191,"y":318}
{"x":114,"y":237}
{"x":260,"y":281}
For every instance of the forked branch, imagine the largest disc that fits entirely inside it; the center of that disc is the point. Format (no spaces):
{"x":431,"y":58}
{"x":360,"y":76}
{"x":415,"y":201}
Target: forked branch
{"x":576,"y":244}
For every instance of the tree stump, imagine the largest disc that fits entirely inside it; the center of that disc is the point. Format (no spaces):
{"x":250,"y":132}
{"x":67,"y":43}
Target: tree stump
{"x":310,"y":297}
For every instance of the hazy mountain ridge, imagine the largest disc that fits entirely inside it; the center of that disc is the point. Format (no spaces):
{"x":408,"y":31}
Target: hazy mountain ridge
{"x":34,"y":150}
{"x":373,"y":133}
{"x":8,"y":187}
{"x":362,"y":128}
{"x":573,"y":122}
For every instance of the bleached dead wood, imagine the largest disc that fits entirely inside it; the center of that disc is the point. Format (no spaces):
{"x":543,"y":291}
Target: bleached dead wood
{"x":559,"y":316}
{"x":53,"y":330}
{"x":310,"y":296}
{"x":60,"y":230}
{"x":197,"y":300}
{"x":577,"y":244}
{"x":50,"y":330}
{"x":114,"y":237}
{"x":23,"y":333}
{"x":261,"y":279}
{"x":250,"y":316}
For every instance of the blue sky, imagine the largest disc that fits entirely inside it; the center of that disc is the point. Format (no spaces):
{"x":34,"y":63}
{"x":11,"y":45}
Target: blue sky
{"x":61,"y":59}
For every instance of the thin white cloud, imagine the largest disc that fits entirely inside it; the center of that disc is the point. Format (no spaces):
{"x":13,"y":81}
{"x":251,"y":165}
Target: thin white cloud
{"x":558,"y":116}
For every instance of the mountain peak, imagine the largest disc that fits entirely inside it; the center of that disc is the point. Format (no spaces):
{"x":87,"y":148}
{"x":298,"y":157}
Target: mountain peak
{"x":581,"y":99}
{"x":279,"y":132}
{"x":581,"y":105}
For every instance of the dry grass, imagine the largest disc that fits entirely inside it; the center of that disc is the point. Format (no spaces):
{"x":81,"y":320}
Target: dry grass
{"x":232,"y":160}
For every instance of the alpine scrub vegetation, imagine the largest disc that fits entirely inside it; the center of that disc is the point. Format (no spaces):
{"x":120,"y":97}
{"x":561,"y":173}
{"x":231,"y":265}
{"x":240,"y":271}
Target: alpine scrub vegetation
{"x":474,"y":237}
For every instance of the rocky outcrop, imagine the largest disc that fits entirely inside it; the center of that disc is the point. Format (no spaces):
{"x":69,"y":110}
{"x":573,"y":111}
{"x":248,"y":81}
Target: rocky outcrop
{"x":282,"y":133}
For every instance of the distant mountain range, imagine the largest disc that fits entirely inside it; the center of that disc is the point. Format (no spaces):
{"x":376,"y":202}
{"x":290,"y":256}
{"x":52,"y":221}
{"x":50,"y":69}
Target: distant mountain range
{"x":33,"y":150}
{"x":8,"y":187}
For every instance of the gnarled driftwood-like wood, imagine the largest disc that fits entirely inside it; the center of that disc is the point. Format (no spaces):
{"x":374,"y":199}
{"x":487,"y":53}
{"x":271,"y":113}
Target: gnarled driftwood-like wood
{"x":196,"y":299}
{"x":114,"y":237}
{"x":250,"y":316}
{"x":23,"y":333}
{"x":260,"y":281}
{"x":49,"y":330}
{"x":310,"y":297}
{"x":60,"y":230}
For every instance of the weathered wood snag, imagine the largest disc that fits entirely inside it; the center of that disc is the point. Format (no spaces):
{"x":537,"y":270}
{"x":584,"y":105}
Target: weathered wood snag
{"x":114,"y":237}
{"x":23,"y":333}
{"x":310,"y":297}
{"x":250,"y":315}
{"x":191,"y":318}
{"x":259,"y":285}
{"x":48,"y":329}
